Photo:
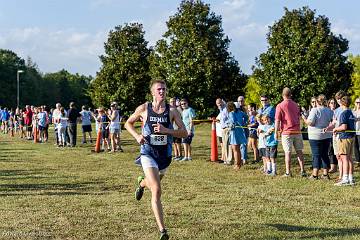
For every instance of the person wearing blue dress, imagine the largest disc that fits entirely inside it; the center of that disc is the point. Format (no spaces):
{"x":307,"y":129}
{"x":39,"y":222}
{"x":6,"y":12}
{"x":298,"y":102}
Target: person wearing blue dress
{"x":236,"y":133}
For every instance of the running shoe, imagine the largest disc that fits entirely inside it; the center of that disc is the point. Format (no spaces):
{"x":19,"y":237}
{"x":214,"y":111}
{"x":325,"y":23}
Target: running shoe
{"x":303,"y":174}
{"x":139,"y":189}
{"x":342,"y":183}
{"x":164,"y":235}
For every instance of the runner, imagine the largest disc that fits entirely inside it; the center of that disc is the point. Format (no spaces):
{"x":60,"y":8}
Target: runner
{"x":155,"y":140}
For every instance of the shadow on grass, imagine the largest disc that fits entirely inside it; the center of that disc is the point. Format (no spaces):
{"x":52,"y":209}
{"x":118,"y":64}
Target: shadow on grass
{"x":28,"y":189}
{"x":314,"y":232}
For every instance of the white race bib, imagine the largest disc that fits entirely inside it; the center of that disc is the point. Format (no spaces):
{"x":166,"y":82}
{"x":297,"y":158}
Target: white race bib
{"x":158,"y":139}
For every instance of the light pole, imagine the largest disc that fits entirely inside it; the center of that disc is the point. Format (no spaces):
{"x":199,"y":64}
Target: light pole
{"x":18,"y":80}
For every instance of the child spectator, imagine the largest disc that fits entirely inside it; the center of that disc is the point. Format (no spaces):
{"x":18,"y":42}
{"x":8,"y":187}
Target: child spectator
{"x":271,"y":145}
{"x":253,"y":125}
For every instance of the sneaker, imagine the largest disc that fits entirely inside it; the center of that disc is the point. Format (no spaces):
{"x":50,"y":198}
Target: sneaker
{"x":189,"y":159}
{"x":342,"y":183}
{"x":312,"y":177}
{"x":227,"y":163}
{"x":303,"y":174}
{"x":287,"y":175}
{"x":325,"y":177}
{"x":177,"y":158}
{"x":184,"y":159}
{"x":164,"y":235}
{"x":139,"y":190}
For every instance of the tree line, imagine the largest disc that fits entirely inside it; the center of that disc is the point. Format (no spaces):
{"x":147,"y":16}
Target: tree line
{"x":36,"y":88}
{"x":193,"y":57}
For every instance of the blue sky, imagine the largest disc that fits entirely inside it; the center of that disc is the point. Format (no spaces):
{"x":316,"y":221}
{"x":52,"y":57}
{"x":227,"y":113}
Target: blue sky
{"x":70,"y":34}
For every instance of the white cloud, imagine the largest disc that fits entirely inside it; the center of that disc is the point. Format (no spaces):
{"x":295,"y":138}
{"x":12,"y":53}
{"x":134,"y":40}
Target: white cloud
{"x":349,"y":31}
{"x":235,"y":10}
{"x":53,"y":50}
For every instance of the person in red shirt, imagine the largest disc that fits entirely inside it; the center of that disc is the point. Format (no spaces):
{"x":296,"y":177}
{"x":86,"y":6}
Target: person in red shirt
{"x":28,"y":121}
{"x":287,"y":121}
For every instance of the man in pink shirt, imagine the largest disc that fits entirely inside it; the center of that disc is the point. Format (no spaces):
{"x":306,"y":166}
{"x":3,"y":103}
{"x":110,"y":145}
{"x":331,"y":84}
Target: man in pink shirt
{"x":287,"y":121}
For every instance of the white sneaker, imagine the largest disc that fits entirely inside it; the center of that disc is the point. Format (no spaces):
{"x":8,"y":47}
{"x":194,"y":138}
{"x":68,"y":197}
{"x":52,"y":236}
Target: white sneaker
{"x":342,"y":183}
{"x":184,"y":159}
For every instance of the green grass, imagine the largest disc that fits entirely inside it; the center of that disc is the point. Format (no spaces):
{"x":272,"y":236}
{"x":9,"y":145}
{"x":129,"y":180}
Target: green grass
{"x":72,"y":193}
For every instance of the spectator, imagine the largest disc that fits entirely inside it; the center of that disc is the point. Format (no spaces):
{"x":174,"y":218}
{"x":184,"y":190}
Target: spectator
{"x":287,"y":120}
{"x":41,"y":118}
{"x":319,"y":118}
{"x":73,"y":115}
{"x":62,"y":122}
{"x":333,"y":160}
{"x":188,"y":115}
{"x":346,"y":133}
{"x":114,"y":127}
{"x":5,"y":120}
{"x":253,"y":125}
{"x":243,"y":147}
{"x":236,"y":133}
{"x":220,"y":126}
{"x":176,"y":141}
{"x":85,"y":123}
{"x":356,"y":113}
{"x":337,"y":113}
{"x":268,"y":129}
{"x":28,"y":121}
{"x":55,"y":120}
{"x":266,"y":108}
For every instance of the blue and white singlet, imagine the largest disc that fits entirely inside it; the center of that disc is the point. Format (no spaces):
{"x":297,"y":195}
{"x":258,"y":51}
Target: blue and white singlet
{"x":158,"y":146}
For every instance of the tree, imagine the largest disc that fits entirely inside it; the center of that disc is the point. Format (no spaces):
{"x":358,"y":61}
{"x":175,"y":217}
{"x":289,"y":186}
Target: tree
{"x":124,"y":75}
{"x":305,"y":55}
{"x":10,"y":63}
{"x":355,"y":77}
{"x":193,"y":57}
{"x":252,"y":91}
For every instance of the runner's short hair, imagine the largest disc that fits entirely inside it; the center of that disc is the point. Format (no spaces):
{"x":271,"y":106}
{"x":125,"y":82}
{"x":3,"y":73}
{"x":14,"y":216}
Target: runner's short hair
{"x":154,"y":81}
{"x":345,"y":100}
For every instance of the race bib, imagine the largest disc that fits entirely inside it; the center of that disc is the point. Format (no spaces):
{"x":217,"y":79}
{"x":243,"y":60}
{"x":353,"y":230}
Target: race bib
{"x":158,"y":139}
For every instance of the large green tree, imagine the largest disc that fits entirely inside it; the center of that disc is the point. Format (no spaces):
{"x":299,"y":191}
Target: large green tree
{"x":193,"y":57}
{"x":305,"y":55}
{"x":124,"y":75}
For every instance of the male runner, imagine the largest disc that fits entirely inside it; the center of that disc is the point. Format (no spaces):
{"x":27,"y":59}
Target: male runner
{"x":156,"y":145}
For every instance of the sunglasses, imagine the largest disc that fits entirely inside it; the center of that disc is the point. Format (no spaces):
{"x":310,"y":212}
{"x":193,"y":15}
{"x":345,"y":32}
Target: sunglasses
{"x":263,"y":100}
{"x":357,"y":102}
{"x":313,"y":102}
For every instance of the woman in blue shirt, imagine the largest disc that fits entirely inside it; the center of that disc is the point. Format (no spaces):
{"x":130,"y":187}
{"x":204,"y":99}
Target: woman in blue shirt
{"x":236,"y":133}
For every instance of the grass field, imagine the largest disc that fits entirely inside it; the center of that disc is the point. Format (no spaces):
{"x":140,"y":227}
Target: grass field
{"x":49,"y":193}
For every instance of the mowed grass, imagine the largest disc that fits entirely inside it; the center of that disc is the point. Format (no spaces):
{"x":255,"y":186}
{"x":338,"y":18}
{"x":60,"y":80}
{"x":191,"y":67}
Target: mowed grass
{"x":72,"y":193}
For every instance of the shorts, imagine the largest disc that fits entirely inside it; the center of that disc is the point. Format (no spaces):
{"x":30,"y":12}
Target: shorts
{"x":271,"y":152}
{"x":253,"y":135}
{"x":86,"y":128}
{"x":41,"y":128}
{"x":346,"y":146}
{"x":29,"y":128}
{"x":188,"y":139}
{"x":149,"y":162}
{"x":105,"y":133}
{"x":176,"y":140}
{"x":335,"y":145}
{"x":262,"y":152}
{"x":114,"y":131}
{"x":292,"y":140}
